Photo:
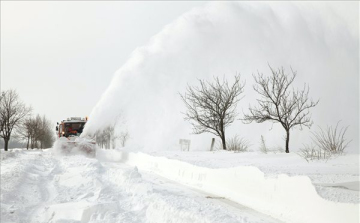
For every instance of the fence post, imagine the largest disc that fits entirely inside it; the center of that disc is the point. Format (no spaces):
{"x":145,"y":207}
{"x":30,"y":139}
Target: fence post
{"x":212,"y":144}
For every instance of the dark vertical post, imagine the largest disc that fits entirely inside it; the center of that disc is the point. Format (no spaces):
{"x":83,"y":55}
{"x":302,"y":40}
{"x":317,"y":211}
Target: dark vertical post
{"x":212,"y":144}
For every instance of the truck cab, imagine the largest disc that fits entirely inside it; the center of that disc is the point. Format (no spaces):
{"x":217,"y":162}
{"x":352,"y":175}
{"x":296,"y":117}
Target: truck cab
{"x":71,"y":127}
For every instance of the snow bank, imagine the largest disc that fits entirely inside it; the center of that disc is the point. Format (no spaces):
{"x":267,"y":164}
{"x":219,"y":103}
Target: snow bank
{"x":291,"y":199}
{"x":74,"y":146}
{"x":336,"y":179}
{"x":318,"y":40}
{"x":11,"y":153}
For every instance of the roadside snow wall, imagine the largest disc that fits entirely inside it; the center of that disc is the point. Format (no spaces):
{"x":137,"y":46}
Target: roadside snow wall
{"x":291,"y":199}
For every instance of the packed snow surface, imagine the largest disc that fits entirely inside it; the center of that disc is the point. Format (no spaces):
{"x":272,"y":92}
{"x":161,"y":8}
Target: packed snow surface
{"x":120,"y":186}
{"x":37,"y":186}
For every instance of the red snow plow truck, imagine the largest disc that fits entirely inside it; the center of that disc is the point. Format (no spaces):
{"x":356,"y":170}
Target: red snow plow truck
{"x":69,"y":140}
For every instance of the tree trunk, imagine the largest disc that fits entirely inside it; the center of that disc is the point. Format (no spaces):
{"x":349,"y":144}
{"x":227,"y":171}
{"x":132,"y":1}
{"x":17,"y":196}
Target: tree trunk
{"x":223,"y":143}
{"x":32,"y":143}
{"x":27,"y":145}
{"x":223,"y":140}
{"x":6,"y":144}
{"x":287,"y":141}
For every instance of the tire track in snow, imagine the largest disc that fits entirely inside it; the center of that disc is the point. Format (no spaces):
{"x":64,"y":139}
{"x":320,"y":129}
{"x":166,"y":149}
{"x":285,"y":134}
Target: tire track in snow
{"x":23,"y":191}
{"x":79,"y":189}
{"x":231,"y":211}
{"x":47,"y":190}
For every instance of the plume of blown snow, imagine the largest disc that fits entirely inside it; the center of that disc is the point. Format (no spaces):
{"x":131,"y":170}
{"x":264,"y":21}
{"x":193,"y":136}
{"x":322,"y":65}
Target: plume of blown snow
{"x":318,"y":40}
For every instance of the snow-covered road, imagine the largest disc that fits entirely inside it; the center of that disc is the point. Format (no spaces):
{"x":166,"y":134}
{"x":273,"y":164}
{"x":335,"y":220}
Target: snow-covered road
{"x":39,"y":187}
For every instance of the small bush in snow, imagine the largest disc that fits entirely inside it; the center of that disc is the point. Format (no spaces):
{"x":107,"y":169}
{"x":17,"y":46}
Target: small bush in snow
{"x":237,"y":144}
{"x":310,"y":153}
{"x":331,"y":139}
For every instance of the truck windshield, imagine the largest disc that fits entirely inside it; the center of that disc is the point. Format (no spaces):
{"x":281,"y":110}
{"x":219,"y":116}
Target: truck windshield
{"x":74,"y":128}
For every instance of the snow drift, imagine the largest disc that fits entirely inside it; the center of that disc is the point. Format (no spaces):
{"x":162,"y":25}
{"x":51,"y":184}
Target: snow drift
{"x":291,"y":199}
{"x":74,"y":146}
{"x":318,"y":40}
{"x":39,"y":187}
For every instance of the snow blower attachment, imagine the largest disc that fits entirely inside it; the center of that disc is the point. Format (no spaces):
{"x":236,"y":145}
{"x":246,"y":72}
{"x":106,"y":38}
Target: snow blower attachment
{"x":69,"y":140}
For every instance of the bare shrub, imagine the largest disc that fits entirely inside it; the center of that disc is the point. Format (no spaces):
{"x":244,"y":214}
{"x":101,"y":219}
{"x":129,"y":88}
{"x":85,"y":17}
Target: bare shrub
{"x":331,"y":139}
{"x":237,"y":144}
{"x":310,"y":153}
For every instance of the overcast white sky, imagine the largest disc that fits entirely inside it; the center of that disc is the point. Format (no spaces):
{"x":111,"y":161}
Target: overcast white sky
{"x":61,"y":56}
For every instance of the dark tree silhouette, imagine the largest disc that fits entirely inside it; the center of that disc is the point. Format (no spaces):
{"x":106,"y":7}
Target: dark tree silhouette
{"x":280,"y":103}
{"x":12,"y":112}
{"x":37,"y":132}
{"x":212,"y":106}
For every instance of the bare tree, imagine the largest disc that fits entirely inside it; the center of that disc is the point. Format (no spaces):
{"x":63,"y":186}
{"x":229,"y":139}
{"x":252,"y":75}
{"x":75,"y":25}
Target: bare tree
{"x":12,"y":112}
{"x":36,"y":129}
{"x":212,"y":106}
{"x":37,"y":132}
{"x":106,"y":138}
{"x":25,"y":132}
{"x":100,"y":138}
{"x":279,"y":103}
{"x":124,"y":136}
{"x":1,"y":118}
{"x":46,"y":135}
{"x":108,"y":134}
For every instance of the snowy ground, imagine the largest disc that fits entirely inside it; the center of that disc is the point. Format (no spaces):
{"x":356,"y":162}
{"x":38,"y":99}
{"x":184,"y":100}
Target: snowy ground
{"x":336,"y":179}
{"x":39,"y":187}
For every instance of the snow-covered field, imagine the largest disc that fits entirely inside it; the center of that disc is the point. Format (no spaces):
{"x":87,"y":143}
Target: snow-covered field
{"x":39,"y":187}
{"x":118,"y":186}
{"x":151,"y":182}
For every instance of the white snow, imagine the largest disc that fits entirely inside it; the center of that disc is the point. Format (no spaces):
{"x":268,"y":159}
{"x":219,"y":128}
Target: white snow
{"x":318,"y":40}
{"x":161,"y":184}
{"x":336,"y":179}
{"x":37,"y":186}
{"x":120,"y":186}
{"x":74,"y":145}
{"x":289,"y":198}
